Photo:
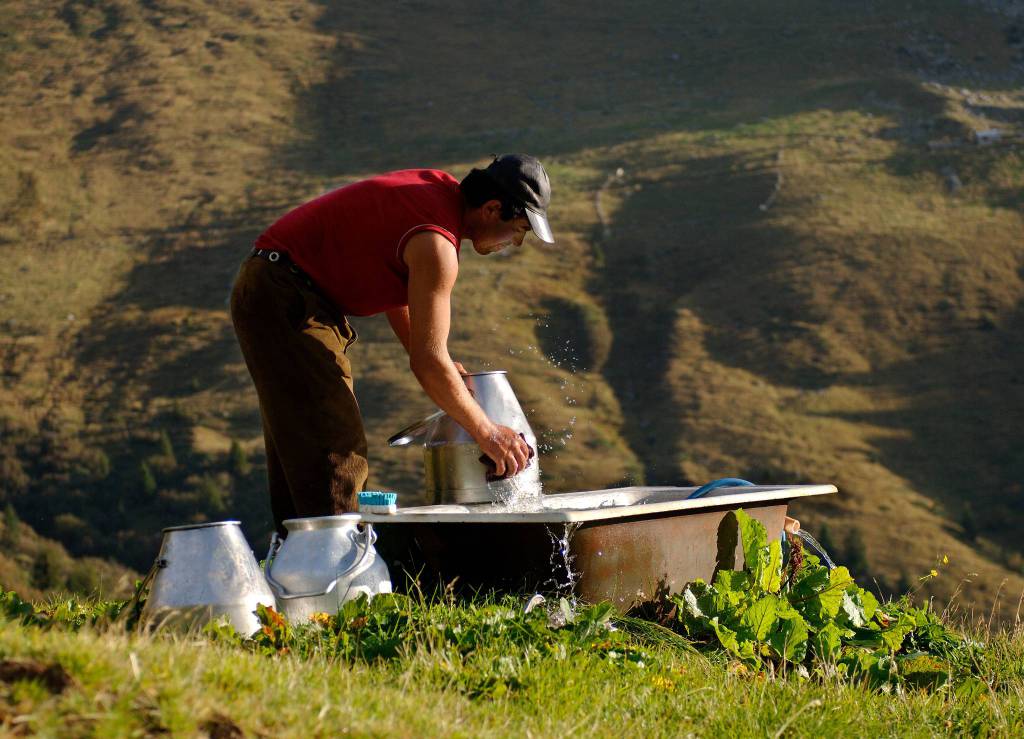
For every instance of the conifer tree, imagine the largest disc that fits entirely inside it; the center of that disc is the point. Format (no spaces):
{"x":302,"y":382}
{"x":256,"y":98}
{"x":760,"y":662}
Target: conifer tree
{"x":238,"y":460}
{"x":148,"y":481}
{"x":167,"y":450}
{"x":212,"y":496}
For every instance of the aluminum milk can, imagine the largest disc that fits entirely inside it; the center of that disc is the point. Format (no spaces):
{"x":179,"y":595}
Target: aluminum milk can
{"x":204,"y":572}
{"x":453,"y":471}
{"x":323,"y":562}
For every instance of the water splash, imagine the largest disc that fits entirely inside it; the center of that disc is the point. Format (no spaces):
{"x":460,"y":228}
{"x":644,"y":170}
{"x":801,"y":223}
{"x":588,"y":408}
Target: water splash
{"x":519,"y":497}
{"x":561,"y":560}
{"x":813,"y":543}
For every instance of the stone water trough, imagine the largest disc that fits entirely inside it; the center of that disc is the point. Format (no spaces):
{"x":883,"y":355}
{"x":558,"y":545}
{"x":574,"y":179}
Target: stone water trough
{"x":629,"y":546}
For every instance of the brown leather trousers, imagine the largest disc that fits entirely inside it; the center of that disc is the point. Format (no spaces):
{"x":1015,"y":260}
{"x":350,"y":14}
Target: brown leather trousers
{"x":294,"y":344}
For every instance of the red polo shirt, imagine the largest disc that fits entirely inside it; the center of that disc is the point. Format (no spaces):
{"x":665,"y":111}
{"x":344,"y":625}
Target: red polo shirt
{"x":350,"y":241}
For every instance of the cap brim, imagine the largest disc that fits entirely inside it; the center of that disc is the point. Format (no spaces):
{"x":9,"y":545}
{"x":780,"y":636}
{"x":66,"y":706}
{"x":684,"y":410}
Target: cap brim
{"x":539,"y":224}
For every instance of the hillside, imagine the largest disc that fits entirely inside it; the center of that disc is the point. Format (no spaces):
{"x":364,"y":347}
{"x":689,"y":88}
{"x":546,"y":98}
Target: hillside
{"x":783,"y":253}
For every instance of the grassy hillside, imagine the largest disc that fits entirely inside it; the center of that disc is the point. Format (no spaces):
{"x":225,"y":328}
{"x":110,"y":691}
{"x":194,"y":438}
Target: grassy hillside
{"x":782,"y":255}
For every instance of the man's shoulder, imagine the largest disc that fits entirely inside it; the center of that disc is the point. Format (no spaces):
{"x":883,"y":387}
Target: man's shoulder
{"x":431,"y":261}
{"x":402,"y":177}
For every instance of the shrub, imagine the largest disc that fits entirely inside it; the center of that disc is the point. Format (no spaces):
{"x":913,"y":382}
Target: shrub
{"x":83,"y":579}
{"x":46,"y":569}
{"x":212,"y":495}
{"x":72,"y":530}
{"x":12,"y":474}
{"x":238,"y":460}
{"x":12,"y":526}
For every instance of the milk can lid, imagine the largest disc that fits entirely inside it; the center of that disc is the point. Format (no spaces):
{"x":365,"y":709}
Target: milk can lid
{"x":201,"y":525}
{"x":313,"y":523}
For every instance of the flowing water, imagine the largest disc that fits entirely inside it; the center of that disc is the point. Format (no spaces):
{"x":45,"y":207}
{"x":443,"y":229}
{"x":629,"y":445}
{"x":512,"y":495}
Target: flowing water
{"x":813,"y":543}
{"x":561,"y":559}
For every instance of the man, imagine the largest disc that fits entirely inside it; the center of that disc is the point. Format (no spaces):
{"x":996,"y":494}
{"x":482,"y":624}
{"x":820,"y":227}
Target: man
{"x":389,"y":244}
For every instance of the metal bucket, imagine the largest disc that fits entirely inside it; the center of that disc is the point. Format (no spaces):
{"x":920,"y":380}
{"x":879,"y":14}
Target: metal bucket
{"x":204,"y":572}
{"x":324,"y":561}
{"x":453,"y":471}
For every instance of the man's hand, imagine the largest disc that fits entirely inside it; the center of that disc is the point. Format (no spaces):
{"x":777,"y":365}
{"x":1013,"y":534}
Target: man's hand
{"x":507,"y":448}
{"x":460,"y":368}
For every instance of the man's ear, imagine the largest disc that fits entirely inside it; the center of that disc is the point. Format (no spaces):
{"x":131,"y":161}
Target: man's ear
{"x":492,"y":208}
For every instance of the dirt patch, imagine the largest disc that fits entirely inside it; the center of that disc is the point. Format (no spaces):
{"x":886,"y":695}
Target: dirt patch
{"x":219,"y":726}
{"x":54,"y":677}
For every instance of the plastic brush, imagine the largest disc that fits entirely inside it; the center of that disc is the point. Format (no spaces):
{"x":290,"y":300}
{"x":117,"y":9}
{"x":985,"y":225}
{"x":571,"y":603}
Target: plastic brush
{"x":377,"y":502}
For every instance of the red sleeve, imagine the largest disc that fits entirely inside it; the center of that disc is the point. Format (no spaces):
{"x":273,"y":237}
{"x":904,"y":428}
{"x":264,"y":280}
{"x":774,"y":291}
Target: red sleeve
{"x":424,"y":227}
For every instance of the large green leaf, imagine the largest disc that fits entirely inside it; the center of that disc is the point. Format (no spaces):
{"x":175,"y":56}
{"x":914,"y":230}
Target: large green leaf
{"x":732,"y":581}
{"x":745,"y":649}
{"x":761,"y":617}
{"x":895,"y":634}
{"x":839,"y":578}
{"x":868,"y":602}
{"x":753,"y":535}
{"x":830,"y":600}
{"x":769,"y":569}
{"x":827,"y":643}
{"x":811,"y":580}
{"x":853,"y":611}
{"x":789,"y":639}
{"x":733,"y":587}
{"x":726,"y":637}
{"x":763,"y":560}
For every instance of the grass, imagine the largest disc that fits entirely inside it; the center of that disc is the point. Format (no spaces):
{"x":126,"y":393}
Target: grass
{"x":470,"y":669}
{"x":781,"y":649}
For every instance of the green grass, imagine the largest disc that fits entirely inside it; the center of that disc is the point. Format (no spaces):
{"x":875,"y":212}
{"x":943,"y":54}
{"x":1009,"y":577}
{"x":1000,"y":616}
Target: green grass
{"x":778,"y":649}
{"x":470,"y":670}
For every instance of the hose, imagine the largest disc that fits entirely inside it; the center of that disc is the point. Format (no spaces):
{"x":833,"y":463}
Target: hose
{"x":725,"y":482}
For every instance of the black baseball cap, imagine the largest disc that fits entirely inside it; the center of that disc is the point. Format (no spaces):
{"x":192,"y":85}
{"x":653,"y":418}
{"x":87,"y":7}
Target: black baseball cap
{"x":523,"y":177}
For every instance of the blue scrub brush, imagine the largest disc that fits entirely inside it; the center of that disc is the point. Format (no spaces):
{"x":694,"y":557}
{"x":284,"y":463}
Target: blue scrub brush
{"x":377,"y":502}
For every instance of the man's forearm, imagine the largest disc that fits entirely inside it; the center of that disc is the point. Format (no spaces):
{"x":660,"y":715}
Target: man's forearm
{"x":444,"y":385}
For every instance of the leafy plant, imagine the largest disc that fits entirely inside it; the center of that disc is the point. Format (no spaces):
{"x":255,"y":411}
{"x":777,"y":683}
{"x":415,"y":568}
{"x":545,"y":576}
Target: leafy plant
{"x":482,"y":649}
{"x":817,"y":620}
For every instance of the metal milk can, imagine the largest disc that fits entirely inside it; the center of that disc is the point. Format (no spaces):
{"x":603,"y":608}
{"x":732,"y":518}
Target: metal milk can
{"x":453,"y":470}
{"x":203,"y":572}
{"x":323,"y":562}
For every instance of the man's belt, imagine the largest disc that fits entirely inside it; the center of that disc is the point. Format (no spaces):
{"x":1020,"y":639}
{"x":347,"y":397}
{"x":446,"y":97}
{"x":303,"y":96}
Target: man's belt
{"x":282,"y":258}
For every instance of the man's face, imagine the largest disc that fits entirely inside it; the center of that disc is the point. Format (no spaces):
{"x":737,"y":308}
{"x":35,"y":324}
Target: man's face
{"x":494,"y":234}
